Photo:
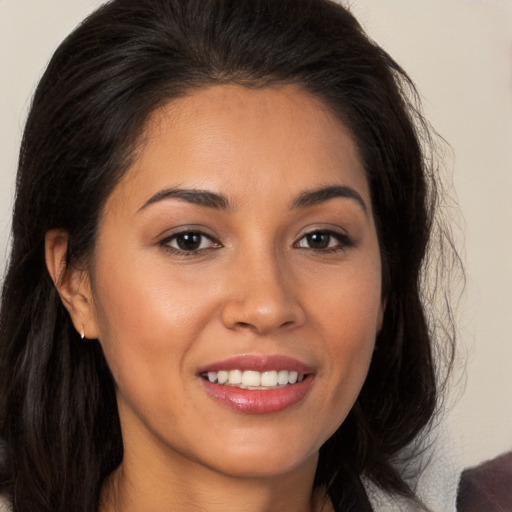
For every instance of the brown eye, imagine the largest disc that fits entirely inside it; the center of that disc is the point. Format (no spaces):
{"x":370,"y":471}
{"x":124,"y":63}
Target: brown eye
{"x":324,"y":240}
{"x":189,"y":242}
{"x":319,"y":240}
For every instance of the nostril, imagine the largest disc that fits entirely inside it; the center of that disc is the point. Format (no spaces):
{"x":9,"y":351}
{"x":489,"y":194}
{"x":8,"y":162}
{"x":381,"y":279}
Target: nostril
{"x":254,"y":314}
{"x":259,"y":327}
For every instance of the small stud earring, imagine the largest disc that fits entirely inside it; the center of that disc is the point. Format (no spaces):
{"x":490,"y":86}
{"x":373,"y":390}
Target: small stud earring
{"x":82,"y":335}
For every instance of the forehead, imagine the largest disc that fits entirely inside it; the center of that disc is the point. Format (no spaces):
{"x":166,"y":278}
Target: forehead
{"x":244,"y":142}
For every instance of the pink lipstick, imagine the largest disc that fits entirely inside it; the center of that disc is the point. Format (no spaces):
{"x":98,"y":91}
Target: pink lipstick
{"x":257,"y":384}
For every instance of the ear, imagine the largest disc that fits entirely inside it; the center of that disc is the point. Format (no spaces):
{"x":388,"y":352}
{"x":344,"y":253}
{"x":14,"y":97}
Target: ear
{"x":73,"y":284}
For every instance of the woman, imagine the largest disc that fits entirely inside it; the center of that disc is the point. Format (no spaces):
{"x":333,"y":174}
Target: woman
{"x":213,"y":296}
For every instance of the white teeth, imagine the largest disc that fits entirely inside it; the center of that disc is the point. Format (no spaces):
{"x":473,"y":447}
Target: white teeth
{"x":282,"y":377}
{"x":269,"y":379}
{"x":250,"y":379}
{"x":255,"y":380}
{"x":222,"y":377}
{"x":235,"y":377}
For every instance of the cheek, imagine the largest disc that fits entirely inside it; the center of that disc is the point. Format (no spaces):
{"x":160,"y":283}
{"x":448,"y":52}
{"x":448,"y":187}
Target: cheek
{"x":126,"y":307}
{"x":143,"y":294}
{"x":350,"y":344}
{"x":349,"y":322}
{"x":150,"y":317}
{"x":348,"y":305}
{"x":146,"y":331}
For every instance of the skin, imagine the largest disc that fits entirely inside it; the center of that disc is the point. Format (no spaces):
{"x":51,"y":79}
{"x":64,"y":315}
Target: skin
{"x":255,"y":286}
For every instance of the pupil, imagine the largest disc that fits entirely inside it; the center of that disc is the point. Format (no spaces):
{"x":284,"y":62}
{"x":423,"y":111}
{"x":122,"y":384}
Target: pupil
{"x":189,"y":241}
{"x":319,"y":240}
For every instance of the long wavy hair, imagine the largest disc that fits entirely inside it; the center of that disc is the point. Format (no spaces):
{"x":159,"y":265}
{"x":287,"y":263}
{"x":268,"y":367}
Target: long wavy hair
{"x":58,"y":412}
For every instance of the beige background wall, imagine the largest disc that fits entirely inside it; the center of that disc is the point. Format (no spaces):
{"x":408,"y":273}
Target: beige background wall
{"x":459,"y":52}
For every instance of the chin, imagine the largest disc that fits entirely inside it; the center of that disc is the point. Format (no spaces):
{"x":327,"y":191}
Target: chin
{"x":264,"y":459}
{"x":266,"y":466}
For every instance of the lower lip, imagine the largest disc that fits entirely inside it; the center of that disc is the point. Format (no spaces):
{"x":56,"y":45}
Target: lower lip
{"x":259,"y":401}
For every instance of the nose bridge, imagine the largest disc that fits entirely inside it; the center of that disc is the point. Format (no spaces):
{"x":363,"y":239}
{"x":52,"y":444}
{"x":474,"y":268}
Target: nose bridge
{"x":262,"y":296}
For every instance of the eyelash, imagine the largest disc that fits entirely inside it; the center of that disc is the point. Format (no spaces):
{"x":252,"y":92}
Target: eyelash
{"x":343,"y":242}
{"x":165,"y":243}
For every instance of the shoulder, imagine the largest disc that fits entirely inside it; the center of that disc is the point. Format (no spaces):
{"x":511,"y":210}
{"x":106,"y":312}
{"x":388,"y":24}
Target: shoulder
{"x":5,"y":505}
{"x":428,"y":467}
{"x":487,"y":487}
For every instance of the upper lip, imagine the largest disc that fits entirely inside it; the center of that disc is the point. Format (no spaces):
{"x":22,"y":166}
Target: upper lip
{"x":259,"y":363}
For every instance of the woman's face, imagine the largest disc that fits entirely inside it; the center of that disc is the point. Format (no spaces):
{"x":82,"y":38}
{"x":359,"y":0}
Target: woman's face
{"x":237,"y":282}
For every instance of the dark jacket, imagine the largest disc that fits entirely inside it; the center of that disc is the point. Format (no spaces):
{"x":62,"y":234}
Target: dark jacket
{"x":487,"y":487}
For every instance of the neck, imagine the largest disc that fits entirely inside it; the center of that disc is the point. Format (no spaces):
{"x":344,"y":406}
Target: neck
{"x":134,"y":488}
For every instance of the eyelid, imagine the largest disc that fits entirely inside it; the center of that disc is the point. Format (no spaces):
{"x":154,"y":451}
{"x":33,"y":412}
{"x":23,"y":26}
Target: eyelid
{"x":185,"y":228}
{"x":326,"y":227}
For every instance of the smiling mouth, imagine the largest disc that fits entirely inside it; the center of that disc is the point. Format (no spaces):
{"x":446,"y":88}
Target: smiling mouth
{"x":254,"y":380}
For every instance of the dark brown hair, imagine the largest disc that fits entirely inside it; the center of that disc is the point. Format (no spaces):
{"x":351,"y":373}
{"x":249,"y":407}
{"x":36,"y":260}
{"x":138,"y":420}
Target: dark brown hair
{"x":58,"y":413}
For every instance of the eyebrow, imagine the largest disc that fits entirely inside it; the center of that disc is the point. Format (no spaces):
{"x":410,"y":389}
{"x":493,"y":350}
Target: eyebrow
{"x":193,"y":196}
{"x":220,"y":202}
{"x":314,"y":197}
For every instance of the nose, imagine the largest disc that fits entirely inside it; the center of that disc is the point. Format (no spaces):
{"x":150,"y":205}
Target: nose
{"x":262,"y":297}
